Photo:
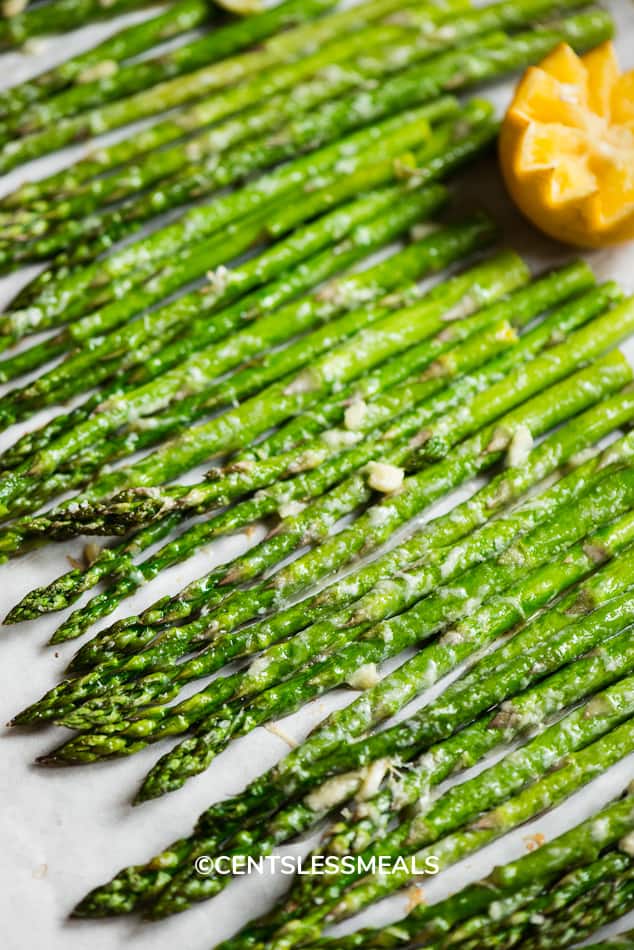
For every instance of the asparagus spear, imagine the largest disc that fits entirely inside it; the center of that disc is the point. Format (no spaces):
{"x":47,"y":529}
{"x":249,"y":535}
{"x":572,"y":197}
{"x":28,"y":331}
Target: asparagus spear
{"x":577,"y":770}
{"x":294,"y":773}
{"x":470,"y":132}
{"x":71,"y":517}
{"x":355,"y":455}
{"x":68,"y":297}
{"x":498,"y":15}
{"x":525,"y":305}
{"x":374,"y":281}
{"x":182,"y":16}
{"x":387,"y":336}
{"x":483,"y":61}
{"x":492,"y":623}
{"x":278,"y":663}
{"x":191,"y":167}
{"x":387,"y":596}
{"x":136,"y":885}
{"x":104,"y":58}
{"x":275,"y":75}
{"x":487,"y":900}
{"x":190,"y":408}
{"x":276,"y":69}
{"x":394,"y":510}
{"x":202,"y":51}
{"x":194,"y":755}
{"x":370,"y":819}
{"x":203,"y":179}
{"x":119,"y":516}
{"x":580,"y":768}
{"x":202,"y":113}
{"x":225,"y":288}
{"x":63,"y":15}
{"x":566,"y":644}
{"x":77,"y":690}
{"x":471,"y":458}
{"x":452,"y":811}
{"x":605,"y":904}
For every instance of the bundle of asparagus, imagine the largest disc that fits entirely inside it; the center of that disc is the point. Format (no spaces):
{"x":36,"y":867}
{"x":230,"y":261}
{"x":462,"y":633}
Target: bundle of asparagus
{"x":513,"y":790}
{"x":328,"y":387}
{"x":528,"y":903}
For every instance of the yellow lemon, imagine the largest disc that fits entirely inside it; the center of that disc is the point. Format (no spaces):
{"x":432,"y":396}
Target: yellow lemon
{"x":567,"y":147}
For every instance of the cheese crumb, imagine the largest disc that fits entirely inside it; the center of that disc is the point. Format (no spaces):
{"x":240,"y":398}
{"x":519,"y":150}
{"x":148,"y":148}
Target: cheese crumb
{"x":13,"y":7}
{"x":219,"y":279}
{"x":532,"y":842}
{"x":520,"y":447}
{"x":355,"y":414}
{"x":332,"y":792}
{"x":373,"y":776}
{"x":365,"y":677}
{"x":626,"y":844}
{"x":290,"y":509}
{"x":102,"y":70}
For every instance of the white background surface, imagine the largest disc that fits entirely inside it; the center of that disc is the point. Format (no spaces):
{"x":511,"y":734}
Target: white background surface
{"x":64,"y":831}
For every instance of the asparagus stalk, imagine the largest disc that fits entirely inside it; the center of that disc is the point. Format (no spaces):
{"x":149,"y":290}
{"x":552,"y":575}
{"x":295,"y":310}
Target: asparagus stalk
{"x":103,"y":59}
{"x":294,"y":772}
{"x":65,"y":15}
{"x":330,"y":673}
{"x":454,"y":810}
{"x":428,"y":485}
{"x":191,"y":166}
{"x":388,"y":596}
{"x":122,"y":271}
{"x":204,"y":112}
{"x":496,"y":16}
{"x":225,"y":287}
{"x":77,"y":690}
{"x":277,"y":664}
{"x":215,"y":77}
{"x":203,"y":179}
{"x":271,"y":66}
{"x":425,"y":352}
{"x":355,"y":454}
{"x":194,"y":755}
{"x":578,"y":769}
{"x":237,"y":427}
{"x":525,"y":305}
{"x":469,"y":133}
{"x":72,"y":517}
{"x":143,"y":506}
{"x":568,"y":642}
{"x":394,"y":510}
{"x":181,"y":16}
{"x":484,"y":61}
{"x":587,"y":915}
{"x":204,"y":51}
{"x":371,"y":283}
{"x":136,"y":885}
{"x":489,"y":901}
{"x":585,"y":676}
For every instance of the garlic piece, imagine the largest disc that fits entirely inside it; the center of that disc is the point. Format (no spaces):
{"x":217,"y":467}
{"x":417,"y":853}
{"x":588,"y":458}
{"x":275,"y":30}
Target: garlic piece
{"x":384,"y":477}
